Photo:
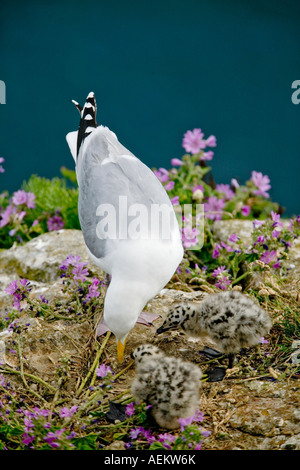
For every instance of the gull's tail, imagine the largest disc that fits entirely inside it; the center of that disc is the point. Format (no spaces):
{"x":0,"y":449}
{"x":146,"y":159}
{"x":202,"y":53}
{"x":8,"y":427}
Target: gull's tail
{"x":86,"y":126}
{"x":88,"y":118}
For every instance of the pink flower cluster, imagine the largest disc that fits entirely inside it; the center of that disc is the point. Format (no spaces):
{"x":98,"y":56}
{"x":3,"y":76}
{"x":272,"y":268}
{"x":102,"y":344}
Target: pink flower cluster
{"x":18,"y":291}
{"x":223,"y":281}
{"x":79,"y":270}
{"x":55,"y":223}
{"x":213,"y":208}
{"x":16,"y":210}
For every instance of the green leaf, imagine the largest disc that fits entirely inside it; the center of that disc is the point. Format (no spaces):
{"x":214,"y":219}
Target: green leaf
{"x":86,"y":443}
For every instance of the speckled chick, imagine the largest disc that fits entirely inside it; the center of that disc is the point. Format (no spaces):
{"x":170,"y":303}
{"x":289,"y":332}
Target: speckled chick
{"x":230,"y":318}
{"x":169,"y":384}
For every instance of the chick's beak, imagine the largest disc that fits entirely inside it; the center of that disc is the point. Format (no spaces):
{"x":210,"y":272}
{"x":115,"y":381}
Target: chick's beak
{"x":120,"y":350}
{"x":160,"y":330}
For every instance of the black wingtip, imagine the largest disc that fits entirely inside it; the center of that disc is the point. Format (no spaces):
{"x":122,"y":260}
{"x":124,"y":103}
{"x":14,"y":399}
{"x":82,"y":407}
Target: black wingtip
{"x":88,"y":118}
{"x":78,"y":106}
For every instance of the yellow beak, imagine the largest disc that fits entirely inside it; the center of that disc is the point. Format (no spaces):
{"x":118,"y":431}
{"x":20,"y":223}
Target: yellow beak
{"x":120,"y":350}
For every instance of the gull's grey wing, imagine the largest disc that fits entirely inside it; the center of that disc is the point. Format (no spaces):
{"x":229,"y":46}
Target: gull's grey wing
{"x":104,"y":182}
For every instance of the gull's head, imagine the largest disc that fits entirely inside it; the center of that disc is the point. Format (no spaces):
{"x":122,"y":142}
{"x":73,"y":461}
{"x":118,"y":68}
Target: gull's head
{"x":145,"y":352}
{"x":122,"y":307}
{"x":174,"y":320}
{"x":120,"y":322}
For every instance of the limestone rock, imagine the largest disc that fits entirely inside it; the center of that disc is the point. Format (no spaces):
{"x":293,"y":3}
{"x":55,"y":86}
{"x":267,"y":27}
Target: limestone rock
{"x":40,"y":258}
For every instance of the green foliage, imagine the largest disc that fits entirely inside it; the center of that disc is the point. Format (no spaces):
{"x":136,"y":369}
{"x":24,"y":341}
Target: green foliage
{"x":54,"y":206}
{"x":53,"y":196}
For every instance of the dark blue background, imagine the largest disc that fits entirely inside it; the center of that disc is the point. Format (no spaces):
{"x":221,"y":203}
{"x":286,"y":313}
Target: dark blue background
{"x":158,"y":68}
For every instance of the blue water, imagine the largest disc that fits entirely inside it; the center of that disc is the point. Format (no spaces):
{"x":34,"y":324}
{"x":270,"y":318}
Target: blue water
{"x":158,"y":68}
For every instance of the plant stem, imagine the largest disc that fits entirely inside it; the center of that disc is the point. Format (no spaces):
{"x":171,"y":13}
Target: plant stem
{"x":21,"y":364}
{"x":95,"y":363}
{"x":7,"y":370}
{"x":123,"y":370}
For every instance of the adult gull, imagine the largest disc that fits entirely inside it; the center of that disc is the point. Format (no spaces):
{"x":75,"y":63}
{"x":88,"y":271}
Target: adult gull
{"x":127,"y":220}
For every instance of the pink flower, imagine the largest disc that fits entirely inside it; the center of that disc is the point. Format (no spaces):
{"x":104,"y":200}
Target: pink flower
{"x":223,"y":283}
{"x":276,"y":265}
{"x":130,"y":409}
{"x":103,"y":371}
{"x":68,"y":412}
{"x":268,"y":256}
{"x":216,"y":251}
{"x":223,"y":280}
{"x":193,"y":141}
{"x":12,"y":288}
{"x":234,"y":183}
{"x":166,"y":437}
{"x":135,"y":432}
{"x":211,"y":141}
{"x":175,"y":200}
{"x":30,"y":201}
{"x":263,"y":340}
{"x":228,"y":248}
{"x":5,"y":216}
{"x":27,"y":439}
{"x":162,"y":174}
{"x":214,"y":208}
{"x":22,"y":197}
{"x":1,"y":167}
{"x":261,"y":182}
{"x":196,"y":417}
{"x":189,"y":236}
{"x":80,"y":272}
{"x":183,"y":422}
{"x":246,"y":210}
{"x":199,"y":186}
{"x":69,"y":261}
{"x":176,"y":162}
{"x":258,"y":223}
{"x":233,"y":238}
{"x":93,"y":289}
{"x":55,"y":223}
{"x":276,"y":233}
{"x":207,"y":155}
{"x":226,"y":190}
{"x":20,"y":216}
{"x":219,"y":271}
{"x":169,"y":186}
{"x":276,"y":219}
{"x":19,"y":197}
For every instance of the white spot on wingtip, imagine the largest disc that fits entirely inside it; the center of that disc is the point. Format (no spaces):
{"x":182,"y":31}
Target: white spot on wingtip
{"x":89,"y":129}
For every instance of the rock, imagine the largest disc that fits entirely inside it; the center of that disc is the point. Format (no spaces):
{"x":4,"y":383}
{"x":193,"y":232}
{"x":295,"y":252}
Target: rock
{"x":116,"y":445}
{"x":47,"y":348}
{"x":293,"y":443}
{"x":40,"y":258}
{"x":243,"y":228}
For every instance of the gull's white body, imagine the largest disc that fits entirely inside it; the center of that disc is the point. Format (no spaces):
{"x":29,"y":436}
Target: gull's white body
{"x":139,"y":268}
